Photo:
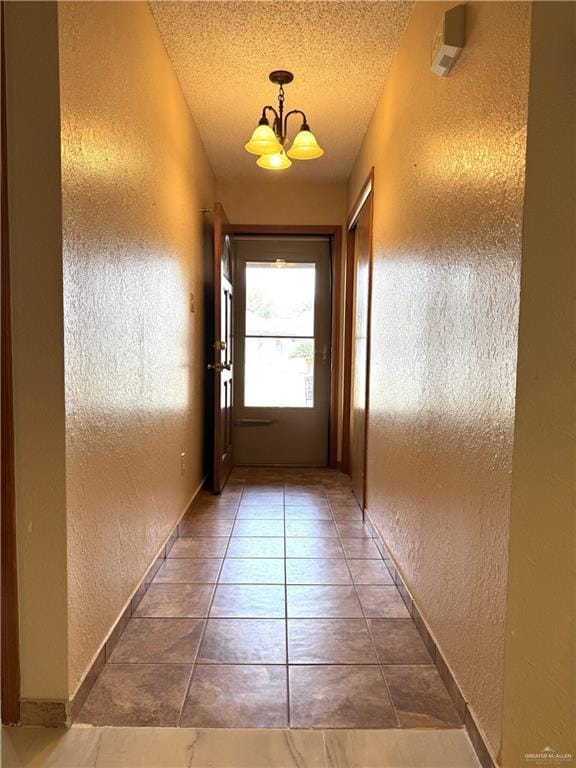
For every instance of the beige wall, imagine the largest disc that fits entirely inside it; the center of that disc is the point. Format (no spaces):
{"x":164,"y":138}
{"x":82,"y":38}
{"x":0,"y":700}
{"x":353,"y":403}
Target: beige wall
{"x":36,"y":263}
{"x":540,"y":692}
{"x":275,"y":199}
{"x":449,"y":178}
{"x":134,"y":178}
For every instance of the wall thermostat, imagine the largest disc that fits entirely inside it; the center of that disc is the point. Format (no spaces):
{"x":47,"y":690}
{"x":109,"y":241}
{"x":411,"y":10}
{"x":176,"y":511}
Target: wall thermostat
{"x":449,"y":40}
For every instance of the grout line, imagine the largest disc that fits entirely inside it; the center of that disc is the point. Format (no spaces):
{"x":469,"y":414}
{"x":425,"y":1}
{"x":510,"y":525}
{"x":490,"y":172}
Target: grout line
{"x":215,"y":586}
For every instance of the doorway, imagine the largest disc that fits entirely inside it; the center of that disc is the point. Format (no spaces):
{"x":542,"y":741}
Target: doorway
{"x":357,"y":341}
{"x":283,"y":350}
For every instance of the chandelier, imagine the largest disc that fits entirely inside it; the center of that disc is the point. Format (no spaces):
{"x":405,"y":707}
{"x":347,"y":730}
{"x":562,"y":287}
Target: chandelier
{"x":269,"y":142}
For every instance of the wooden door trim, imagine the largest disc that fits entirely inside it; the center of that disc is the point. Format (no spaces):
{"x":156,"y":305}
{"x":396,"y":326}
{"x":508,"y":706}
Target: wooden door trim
{"x":10,"y":650}
{"x":366,"y":193}
{"x":334,"y":232}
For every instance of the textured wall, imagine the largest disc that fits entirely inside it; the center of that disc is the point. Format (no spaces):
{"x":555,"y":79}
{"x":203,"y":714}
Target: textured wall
{"x":38,"y":364}
{"x":540,"y":690}
{"x":276,"y":199}
{"x":134,"y":178}
{"x":449,"y":176}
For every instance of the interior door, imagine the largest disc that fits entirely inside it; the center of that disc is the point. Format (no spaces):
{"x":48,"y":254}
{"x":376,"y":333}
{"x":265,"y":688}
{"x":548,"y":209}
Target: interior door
{"x":282,"y":384}
{"x":360,"y":349}
{"x":223,"y":348}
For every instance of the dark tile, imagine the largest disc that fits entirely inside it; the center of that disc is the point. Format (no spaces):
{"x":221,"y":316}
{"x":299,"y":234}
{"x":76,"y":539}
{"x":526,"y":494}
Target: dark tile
{"x":314,"y":547}
{"x":261,"y":513}
{"x":137,"y":597}
{"x":205,"y":526}
{"x":420,"y":698}
{"x":248,"y":601}
{"x":360,"y":549}
{"x":259,"y":528}
{"x":311,"y":510}
{"x":323,"y":602}
{"x":353,"y":529}
{"x":244,"y":641}
{"x":424,"y":633}
{"x":260,"y":499}
{"x":382,"y":603}
{"x":137,"y":695}
{"x":236,"y":697}
{"x":175,"y":601}
{"x":330,"y":641}
{"x":451,"y":686}
{"x":398,"y":641}
{"x":317,"y":571}
{"x":406,"y":597}
{"x":116,"y":633}
{"x":199,"y":548}
{"x":252,"y":570}
{"x":346,"y":696}
{"x":480,"y":748}
{"x":256,"y":547}
{"x":370,"y":572}
{"x":86,"y":686}
{"x":159,"y":641}
{"x":180,"y":571}
{"x":311,"y":528}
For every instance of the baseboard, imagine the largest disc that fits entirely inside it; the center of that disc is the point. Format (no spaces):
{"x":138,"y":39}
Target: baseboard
{"x":479,"y":742}
{"x":53,"y":713}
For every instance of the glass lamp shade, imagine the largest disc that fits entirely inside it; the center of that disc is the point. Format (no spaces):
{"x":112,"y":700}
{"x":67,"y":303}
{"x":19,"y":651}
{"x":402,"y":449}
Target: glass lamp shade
{"x":276,"y":162}
{"x":305,"y":147}
{"x":263,"y":141}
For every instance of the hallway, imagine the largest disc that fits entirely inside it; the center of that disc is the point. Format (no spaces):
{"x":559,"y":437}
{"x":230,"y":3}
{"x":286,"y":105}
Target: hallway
{"x":273,"y":609}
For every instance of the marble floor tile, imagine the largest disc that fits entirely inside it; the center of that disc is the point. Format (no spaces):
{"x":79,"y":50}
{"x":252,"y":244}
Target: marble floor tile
{"x":317,"y":504}
{"x":269,"y":512}
{"x":137,"y":694}
{"x":199,"y":548}
{"x":259,"y":528}
{"x":33,"y":747}
{"x":317,"y":571}
{"x":204,"y":512}
{"x":330,"y":641}
{"x":252,"y":499}
{"x":314,"y":512}
{"x":322,"y":602}
{"x":382,"y":602}
{"x":420,"y":697}
{"x":248,"y":601}
{"x":398,"y":641}
{"x":360,"y":549}
{"x":370,"y":572}
{"x":256,"y":547}
{"x":233,"y":696}
{"x":165,"y":601}
{"x":158,"y":641}
{"x":393,"y":748}
{"x":253,"y":570}
{"x":243,"y":641}
{"x":204,"y":526}
{"x":346,"y":696}
{"x":179,"y":571}
{"x":314,"y":547}
{"x":206,"y":748}
{"x":311,"y":528}
{"x":346,"y":514}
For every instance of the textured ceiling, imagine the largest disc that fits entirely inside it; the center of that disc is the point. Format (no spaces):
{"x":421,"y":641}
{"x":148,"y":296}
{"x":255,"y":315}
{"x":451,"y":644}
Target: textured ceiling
{"x":339,"y":52}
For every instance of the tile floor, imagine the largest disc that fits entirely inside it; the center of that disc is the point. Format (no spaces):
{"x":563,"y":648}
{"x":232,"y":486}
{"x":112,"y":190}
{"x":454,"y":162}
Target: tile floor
{"x":273,"y":609}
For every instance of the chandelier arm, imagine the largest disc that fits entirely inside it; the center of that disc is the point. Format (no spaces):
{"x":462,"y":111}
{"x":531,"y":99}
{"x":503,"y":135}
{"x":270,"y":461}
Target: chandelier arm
{"x":305,"y":126}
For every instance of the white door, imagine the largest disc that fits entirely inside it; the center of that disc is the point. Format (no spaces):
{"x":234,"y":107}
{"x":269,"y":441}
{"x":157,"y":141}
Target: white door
{"x":282,"y":385}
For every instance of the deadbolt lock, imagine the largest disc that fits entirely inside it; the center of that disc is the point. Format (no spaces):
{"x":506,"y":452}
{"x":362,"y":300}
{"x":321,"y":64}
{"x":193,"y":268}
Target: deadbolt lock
{"x":219,"y":367}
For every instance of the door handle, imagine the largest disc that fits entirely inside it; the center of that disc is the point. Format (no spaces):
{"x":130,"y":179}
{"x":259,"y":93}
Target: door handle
{"x":253,"y":422}
{"x":219,"y":367}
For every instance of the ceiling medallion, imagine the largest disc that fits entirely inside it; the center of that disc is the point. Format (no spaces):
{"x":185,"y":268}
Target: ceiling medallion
{"x":269,"y":141}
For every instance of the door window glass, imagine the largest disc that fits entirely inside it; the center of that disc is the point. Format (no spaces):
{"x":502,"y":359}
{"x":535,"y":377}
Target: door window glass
{"x":279,"y":346}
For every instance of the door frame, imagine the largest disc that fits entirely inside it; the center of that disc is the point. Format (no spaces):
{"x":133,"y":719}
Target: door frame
{"x":10,"y":641}
{"x":366,"y":192}
{"x":334,"y":233}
